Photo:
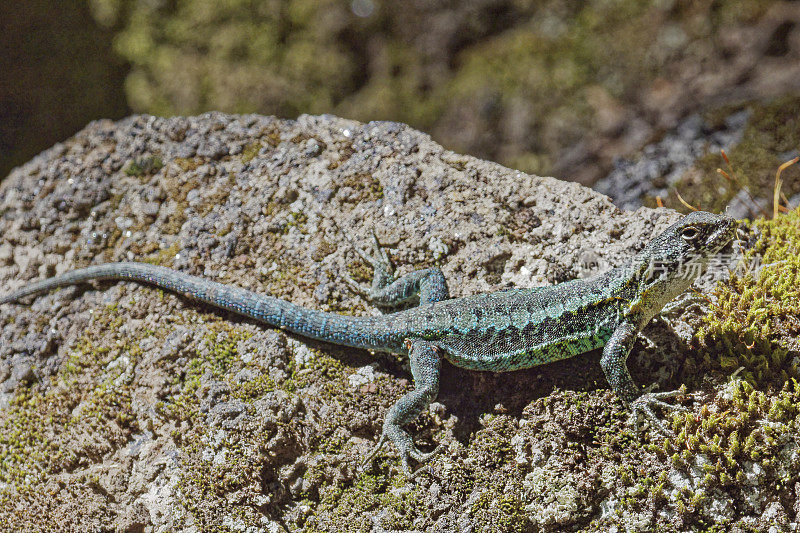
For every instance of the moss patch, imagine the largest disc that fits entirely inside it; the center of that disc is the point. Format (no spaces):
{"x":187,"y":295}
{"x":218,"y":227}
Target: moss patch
{"x":62,"y":428}
{"x":754,"y":320}
{"x":516,"y":82}
{"x":742,"y":424}
{"x":144,"y":166}
{"x":357,"y":188}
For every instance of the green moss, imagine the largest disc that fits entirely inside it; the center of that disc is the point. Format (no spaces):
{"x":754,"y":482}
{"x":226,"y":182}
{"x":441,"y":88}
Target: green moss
{"x":164,"y":257}
{"x":493,"y":444}
{"x":251,"y":151}
{"x":214,"y":358}
{"x":363,"y":495}
{"x":500,"y":512}
{"x":741,"y":425}
{"x":188,"y":164}
{"x":363,"y":188}
{"x":404,"y":505}
{"x":286,"y":278}
{"x":753,"y":319}
{"x":360,"y":271}
{"x":205,"y":484}
{"x":244,"y":461}
{"x":296,"y":220}
{"x":322,"y":250}
{"x":527,"y":80}
{"x":43,"y":432}
{"x":176,"y":220}
{"x":144,"y":166}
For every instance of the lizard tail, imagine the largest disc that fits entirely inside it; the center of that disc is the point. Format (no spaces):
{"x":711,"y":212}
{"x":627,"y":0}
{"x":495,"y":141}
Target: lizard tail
{"x":359,"y":332}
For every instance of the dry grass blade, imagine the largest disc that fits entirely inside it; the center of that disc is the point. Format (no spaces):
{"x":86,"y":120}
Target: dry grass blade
{"x":701,"y":295}
{"x":733,"y":179}
{"x":684,"y":202}
{"x":776,"y":197}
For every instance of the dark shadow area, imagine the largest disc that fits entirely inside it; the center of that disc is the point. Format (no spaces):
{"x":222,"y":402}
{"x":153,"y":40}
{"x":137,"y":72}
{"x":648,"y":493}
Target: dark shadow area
{"x":469,"y":394}
{"x":59,"y":72}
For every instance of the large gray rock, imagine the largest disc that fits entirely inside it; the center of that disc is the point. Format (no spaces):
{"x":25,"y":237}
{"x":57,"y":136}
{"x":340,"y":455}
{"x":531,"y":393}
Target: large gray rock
{"x":128,"y":409}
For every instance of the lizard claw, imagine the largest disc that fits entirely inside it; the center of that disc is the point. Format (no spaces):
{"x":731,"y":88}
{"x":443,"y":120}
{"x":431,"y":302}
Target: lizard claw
{"x":421,"y":457}
{"x":374,"y":452}
{"x":356,"y":286}
{"x":406,"y":451}
{"x":377,"y":258}
{"x":382,"y":268}
{"x":642,"y":407}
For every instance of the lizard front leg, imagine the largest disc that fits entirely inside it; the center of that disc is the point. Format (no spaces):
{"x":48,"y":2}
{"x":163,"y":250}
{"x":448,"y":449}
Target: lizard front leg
{"x":425,"y":367}
{"x":614,"y":363}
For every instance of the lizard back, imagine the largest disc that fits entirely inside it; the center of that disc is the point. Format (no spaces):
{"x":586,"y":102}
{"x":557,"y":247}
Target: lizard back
{"x":515,"y":329}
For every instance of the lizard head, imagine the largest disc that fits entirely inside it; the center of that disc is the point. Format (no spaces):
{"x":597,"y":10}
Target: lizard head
{"x":671,"y":262}
{"x":698,"y":235}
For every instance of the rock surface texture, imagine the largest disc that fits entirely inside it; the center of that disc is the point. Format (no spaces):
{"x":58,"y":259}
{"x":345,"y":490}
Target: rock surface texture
{"x":128,"y":409}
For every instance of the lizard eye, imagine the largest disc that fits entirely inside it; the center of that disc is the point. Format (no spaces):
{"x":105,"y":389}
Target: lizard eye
{"x":690,"y":233}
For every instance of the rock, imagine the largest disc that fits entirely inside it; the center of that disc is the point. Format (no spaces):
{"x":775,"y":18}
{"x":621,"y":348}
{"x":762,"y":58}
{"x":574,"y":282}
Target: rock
{"x":216,"y":421}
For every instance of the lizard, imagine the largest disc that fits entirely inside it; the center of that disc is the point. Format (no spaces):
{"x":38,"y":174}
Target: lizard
{"x":497,"y":331}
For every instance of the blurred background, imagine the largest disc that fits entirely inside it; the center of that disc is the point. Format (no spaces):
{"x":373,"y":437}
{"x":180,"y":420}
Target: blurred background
{"x":633,"y":97}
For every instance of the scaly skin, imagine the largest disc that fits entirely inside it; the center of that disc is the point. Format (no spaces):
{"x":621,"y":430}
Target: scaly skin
{"x":498,"y":332}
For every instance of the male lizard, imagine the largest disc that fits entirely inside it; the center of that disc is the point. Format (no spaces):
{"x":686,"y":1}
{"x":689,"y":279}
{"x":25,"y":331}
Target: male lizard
{"x":500,"y":331}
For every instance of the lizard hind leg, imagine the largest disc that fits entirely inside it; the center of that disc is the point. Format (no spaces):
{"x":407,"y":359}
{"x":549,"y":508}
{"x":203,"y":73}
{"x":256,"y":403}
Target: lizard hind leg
{"x":382,"y":267}
{"x":425,"y":368}
{"x":427,"y":285}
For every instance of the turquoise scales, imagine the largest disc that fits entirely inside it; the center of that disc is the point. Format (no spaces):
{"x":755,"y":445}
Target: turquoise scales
{"x":501,"y":331}
{"x":516,"y":329}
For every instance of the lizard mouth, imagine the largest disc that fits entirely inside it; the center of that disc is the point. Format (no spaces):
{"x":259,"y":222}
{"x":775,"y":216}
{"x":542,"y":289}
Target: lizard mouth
{"x":725,"y":234}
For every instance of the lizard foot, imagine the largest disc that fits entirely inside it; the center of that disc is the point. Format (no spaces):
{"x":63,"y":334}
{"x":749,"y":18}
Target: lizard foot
{"x":413,"y":453}
{"x":378,"y":258}
{"x":382,"y":268}
{"x":421,"y":458}
{"x":356,"y":286}
{"x":374,"y":452}
{"x":406,"y":451}
{"x":643,"y":407}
